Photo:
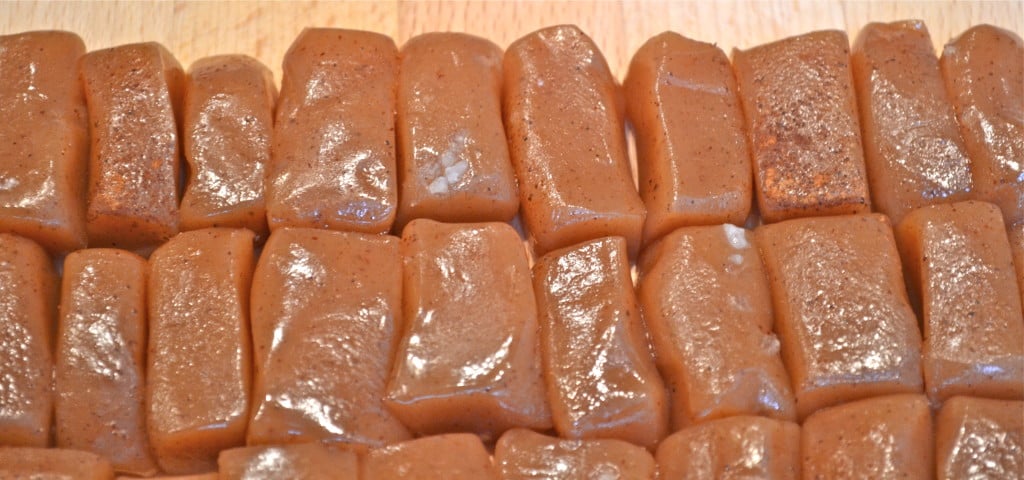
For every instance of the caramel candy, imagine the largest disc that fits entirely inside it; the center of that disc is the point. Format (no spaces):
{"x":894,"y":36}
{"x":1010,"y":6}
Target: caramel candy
{"x":692,"y":153}
{"x":979,"y":438}
{"x":961,"y":272}
{"x":522,"y":454}
{"x":468,"y":360}
{"x":453,"y":156}
{"x":226,"y":130}
{"x":198,"y":383}
{"x":52,"y":463}
{"x":44,"y":142}
{"x":706,"y":302}
{"x":801,"y":117}
{"x":326,"y":309}
{"x":882,"y":437}
{"x":100,"y":366}
{"x":310,"y":461}
{"x":333,"y":154}
{"x":1016,"y":233}
{"x":565,"y":133}
{"x":133,"y":93}
{"x":601,"y":379}
{"x":461,"y":456}
{"x":984,"y":74}
{"x":912,"y":146}
{"x":28,"y":307}
{"x":734,"y":447}
{"x":842,"y":313}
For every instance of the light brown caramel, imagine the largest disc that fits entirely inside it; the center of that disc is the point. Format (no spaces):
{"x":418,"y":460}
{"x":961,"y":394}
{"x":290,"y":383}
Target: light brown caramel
{"x":461,"y":456}
{"x":979,"y":438}
{"x":310,"y":461}
{"x":45,"y":464}
{"x":734,"y":447}
{"x":522,"y":454}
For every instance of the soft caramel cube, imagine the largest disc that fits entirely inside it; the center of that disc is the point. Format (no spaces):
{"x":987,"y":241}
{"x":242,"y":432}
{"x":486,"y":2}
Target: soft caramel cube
{"x":601,"y":379}
{"x":57,"y":464}
{"x":309,"y":461}
{"x":960,"y":269}
{"x":468,"y":359}
{"x":979,"y":438}
{"x":801,"y":117}
{"x":455,"y":456}
{"x":842,"y":313}
{"x":692,"y":154}
{"x":734,"y":447}
{"x":522,"y":454}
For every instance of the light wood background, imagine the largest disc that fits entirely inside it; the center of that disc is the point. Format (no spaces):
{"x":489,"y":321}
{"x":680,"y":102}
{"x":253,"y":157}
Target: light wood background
{"x":265,"y":29}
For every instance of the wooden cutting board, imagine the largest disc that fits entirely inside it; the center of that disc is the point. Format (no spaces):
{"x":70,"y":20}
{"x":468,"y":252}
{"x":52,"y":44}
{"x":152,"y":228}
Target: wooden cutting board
{"x":265,"y":29}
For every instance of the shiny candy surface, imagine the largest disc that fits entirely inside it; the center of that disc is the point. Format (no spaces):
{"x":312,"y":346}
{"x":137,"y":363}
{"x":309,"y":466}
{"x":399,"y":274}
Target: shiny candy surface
{"x":732,"y":448}
{"x":522,"y":454}
{"x":310,"y":461}
{"x":979,"y":438}
{"x":461,"y":456}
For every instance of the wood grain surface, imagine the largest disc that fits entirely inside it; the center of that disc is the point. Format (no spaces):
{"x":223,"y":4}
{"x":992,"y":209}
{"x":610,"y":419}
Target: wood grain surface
{"x":265,"y":29}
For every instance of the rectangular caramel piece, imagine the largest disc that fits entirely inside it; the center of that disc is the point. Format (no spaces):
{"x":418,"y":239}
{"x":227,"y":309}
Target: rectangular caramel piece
{"x":912,"y":146}
{"x":842,"y":313}
{"x":734,"y":447}
{"x":566,"y":137}
{"x":601,"y":379}
{"x":881,"y":437}
{"x":333,"y":155}
{"x":326,"y":314}
{"x":468,"y":359}
{"x":133,"y":93}
{"x":692,"y":154}
{"x":706,"y":302}
{"x":28,"y":289}
{"x":453,"y":155}
{"x":228,"y":119}
{"x":961,"y":272}
{"x":522,"y":454}
{"x":52,"y":463}
{"x":310,"y":461}
{"x":199,"y":360}
{"x":983,"y":71}
{"x":44,"y":142}
{"x":460,"y":456}
{"x":979,"y":438}
{"x":801,"y":118}
{"x":100,"y":366}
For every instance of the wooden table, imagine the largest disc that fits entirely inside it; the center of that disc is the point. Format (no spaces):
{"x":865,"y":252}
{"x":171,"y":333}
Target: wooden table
{"x":265,"y":29}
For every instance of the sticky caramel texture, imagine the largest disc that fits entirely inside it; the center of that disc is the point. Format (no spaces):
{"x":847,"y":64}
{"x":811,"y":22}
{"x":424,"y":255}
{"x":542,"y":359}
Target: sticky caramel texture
{"x":43,"y":140}
{"x":1016,"y":233}
{"x":18,"y":463}
{"x":100,"y":361}
{"x":28,"y":287}
{"x":980,"y":438}
{"x":602,"y":381}
{"x":309,"y":461}
{"x":522,"y":454}
{"x":133,"y":93}
{"x":326,"y":314}
{"x":983,"y":70}
{"x":801,"y":117}
{"x":912,"y":145}
{"x":692,"y":154}
{"x":199,"y":359}
{"x":461,"y":456}
{"x":453,"y":157}
{"x":960,"y":270}
{"x":842,"y":313}
{"x":566,"y":137}
{"x":333,"y":152}
{"x":734,"y":447}
{"x":228,"y":119}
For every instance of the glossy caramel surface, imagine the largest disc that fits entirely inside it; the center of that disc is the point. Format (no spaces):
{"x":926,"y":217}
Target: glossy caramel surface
{"x":133,"y":94}
{"x":333,"y":153}
{"x":28,"y":308}
{"x":1016,"y":232}
{"x":100,"y":358}
{"x":881,"y":437}
{"x":912,"y":146}
{"x":199,"y":358}
{"x":961,"y":271}
{"x":842,"y":313}
{"x":453,"y":157}
{"x":228,"y":119}
{"x":309,"y":461}
{"x":983,"y":70}
{"x":979,"y":438}
{"x":43,"y":139}
{"x":692,"y":154}
{"x":461,"y":456}
{"x":732,"y":448}
{"x":801,"y":117}
{"x":705,"y":300}
{"x":565,"y":133}
{"x":522,"y":454}
{"x":468,"y":359}
{"x":326,"y":314}
{"x":600,"y":375}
